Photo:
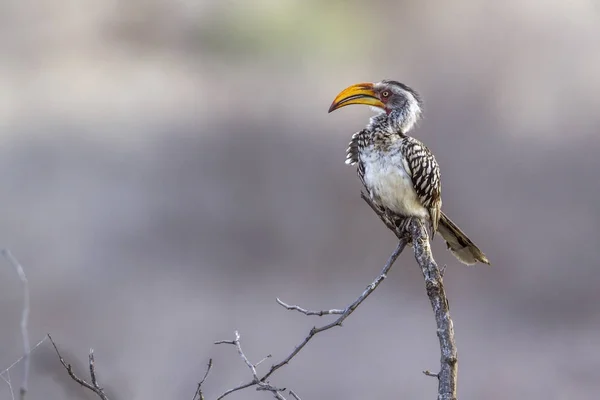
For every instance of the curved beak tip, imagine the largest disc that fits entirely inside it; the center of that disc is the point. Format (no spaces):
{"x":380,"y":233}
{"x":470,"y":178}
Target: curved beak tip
{"x":360,"y":93}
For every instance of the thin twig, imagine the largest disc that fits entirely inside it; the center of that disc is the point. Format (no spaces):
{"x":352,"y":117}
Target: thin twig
{"x":22,"y":357}
{"x":24,"y":319}
{"x":294,"y":395}
{"x":263,"y":360}
{"x":241,"y":353}
{"x":10,"y":387}
{"x":338,"y":322}
{"x":308,"y":312}
{"x":443,"y":270}
{"x":429,"y":373}
{"x":94,"y":385}
{"x":93,"y":369}
{"x":198,"y":393}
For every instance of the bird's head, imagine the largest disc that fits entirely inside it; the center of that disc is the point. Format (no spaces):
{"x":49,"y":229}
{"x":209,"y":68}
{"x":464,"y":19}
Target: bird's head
{"x":401,"y":103}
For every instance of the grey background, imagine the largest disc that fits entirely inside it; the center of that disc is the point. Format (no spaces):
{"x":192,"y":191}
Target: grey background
{"x":168,"y":168}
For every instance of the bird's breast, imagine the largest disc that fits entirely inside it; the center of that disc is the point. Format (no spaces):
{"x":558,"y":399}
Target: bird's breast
{"x":386,"y":177}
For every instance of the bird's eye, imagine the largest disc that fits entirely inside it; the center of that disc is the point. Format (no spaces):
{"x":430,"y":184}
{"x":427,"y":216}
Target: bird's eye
{"x":385,"y":94}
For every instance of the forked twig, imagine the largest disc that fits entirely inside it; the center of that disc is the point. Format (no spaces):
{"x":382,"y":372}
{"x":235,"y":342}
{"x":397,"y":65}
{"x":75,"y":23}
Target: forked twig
{"x":261,"y":384}
{"x":94,"y":387}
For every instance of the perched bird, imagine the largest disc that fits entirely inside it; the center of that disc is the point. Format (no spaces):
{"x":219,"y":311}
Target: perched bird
{"x":399,"y":172}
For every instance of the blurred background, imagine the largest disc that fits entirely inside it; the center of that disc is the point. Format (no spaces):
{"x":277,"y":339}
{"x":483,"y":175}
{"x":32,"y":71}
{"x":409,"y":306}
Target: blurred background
{"x":168,"y":168}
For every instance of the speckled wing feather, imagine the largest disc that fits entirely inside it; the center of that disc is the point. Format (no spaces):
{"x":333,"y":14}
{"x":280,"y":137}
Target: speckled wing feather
{"x":359,"y":140}
{"x":425,"y":175}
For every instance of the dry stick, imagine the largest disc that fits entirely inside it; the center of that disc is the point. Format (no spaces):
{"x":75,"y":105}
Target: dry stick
{"x":308,"y":312}
{"x":198,"y":393}
{"x":338,"y":322}
{"x":94,"y":387}
{"x":24,"y":318}
{"x":447,"y":377}
{"x":263,"y":360}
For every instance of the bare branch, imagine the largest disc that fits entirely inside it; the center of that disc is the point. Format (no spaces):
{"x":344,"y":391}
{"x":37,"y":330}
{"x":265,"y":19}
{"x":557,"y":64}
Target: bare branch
{"x":338,"y":322}
{"x":94,"y":385}
{"x":198,"y":393}
{"x":24,"y":319}
{"x":241,"y":353}
{"x":294,"y":395}
{"x":307,"y":312}
{"x":434,"y":285}
{"x":261,"y":385}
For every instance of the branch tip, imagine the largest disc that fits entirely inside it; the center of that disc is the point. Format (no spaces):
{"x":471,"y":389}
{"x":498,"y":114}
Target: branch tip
{"x":94,"y":387}
{"x":429,"y":373}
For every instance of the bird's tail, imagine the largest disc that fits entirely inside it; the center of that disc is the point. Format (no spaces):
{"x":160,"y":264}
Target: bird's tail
{"x":459,"y":244}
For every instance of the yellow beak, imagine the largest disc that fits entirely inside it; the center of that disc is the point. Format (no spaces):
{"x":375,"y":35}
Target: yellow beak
{"x":361,"y":93}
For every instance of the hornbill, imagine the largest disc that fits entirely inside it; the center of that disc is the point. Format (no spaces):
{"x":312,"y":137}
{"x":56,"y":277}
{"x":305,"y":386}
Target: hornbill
{"x":399,"y":172}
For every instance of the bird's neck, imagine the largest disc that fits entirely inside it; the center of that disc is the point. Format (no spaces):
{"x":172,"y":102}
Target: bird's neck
{"x":397,"y":122}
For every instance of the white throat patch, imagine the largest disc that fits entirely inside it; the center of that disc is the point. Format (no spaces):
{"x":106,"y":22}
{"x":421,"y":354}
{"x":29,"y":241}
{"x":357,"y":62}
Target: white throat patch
{"x":411,"y":114}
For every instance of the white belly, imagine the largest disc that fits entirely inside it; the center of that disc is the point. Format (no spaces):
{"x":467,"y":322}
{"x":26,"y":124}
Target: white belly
{"x":389,"y":183}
